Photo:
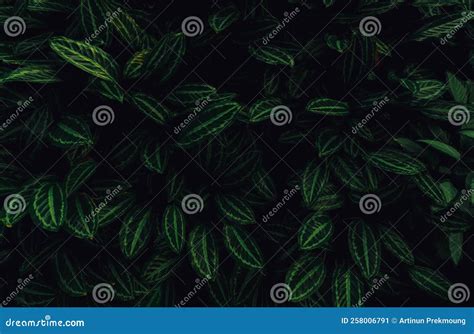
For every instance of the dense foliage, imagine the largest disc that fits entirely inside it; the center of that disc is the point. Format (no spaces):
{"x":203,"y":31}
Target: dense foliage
{"x":212,"y":153}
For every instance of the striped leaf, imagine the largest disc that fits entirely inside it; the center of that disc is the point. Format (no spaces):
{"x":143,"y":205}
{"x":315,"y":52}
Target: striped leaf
{"x":134,"y":66}
{"x":364,"y":248}
{"x":191,"y":94}
{"x":272,"y":55}
{"x":203,"y":252}
{"x":262,"y":109}
{"x":430,"y":281}
{"x":155,"y":158}
{"x":88,"y":58}
{"x":165,"y":57}
{"x":81,"y":222}
{"x":440,"y":26}
{"x":442,"y":147}
{"x":430,"y":188}
{"x":129,"y":30}
{"x":78,"y":175}
{"x":32,"y":74}
{"x":160,"y":266}
{"x":151,"y":107}
{"x":328,"y":142}
{"x":174,"y":227}
{"x":235,"y":210}
{"x":134,"y":233}
{"x":315,"y":232}
{"x":424,"y":89}
{"x":346,"y":287}
{"x":114,"y":210}
{"x":223,"y":18}
{"x":71,"y":132}
{"x":242,"y":247}
{"x":354,"y":176}
{"x":304,"y":277}
{"x":396,"y":245}
{"x":329,"y":107}
{"x":49,"y":206}
{"x":93,"y":15}
{"x":314,"y":180}
{"x":458,"y":89}
{"x":70,"y":276}
{"x":209,"y":122}
{"x":396,"y":162}
{"x":456,"y":241}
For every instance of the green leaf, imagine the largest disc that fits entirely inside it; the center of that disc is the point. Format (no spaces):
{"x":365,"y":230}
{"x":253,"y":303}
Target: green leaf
{"x":71,"y":132}
{"x":134,"y":233}
{"x":315,"y":232}
{"x":397,"y":162}
{"x":430,"y":188}
{"x":304,"y":277}
{"x":242,"y":246}
{"x":396,"y":245}
{"x":129,"y":31}
{"x":160,"y":266}
{"x":329,"y":107}
{"x":155,"y":158}
{"x":262,"y":109}
{"x":203,"y":252}
{"x":174,"y":227}
{"x":49,"y":206}
{"x":440,"y":26}
{"x":223,"y":18}
{"x":134,"y":66}
{"x":235,"y":210}
{"x":70,"y":276}
{"x":151,"y":107}
{"x":32,"y":74}
{"x":442,"y":147}
{"x":458,"y":89}
{"x":328,"y":142}
{"x":315,"y":178}
{"x":78,"y":175}
{"x":166,"y":56}
{"x":272,"y":55}
{"x":346,"y":288}
{"x":455,"y":246}
{"x":192,"y":94}
{"x":216,"y":117}
{"x":430,"y":281}
{"x":364,"y":248}
{"x":424,"y":89}
{"x":81,"y":222}
{"x":88,"y":58}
